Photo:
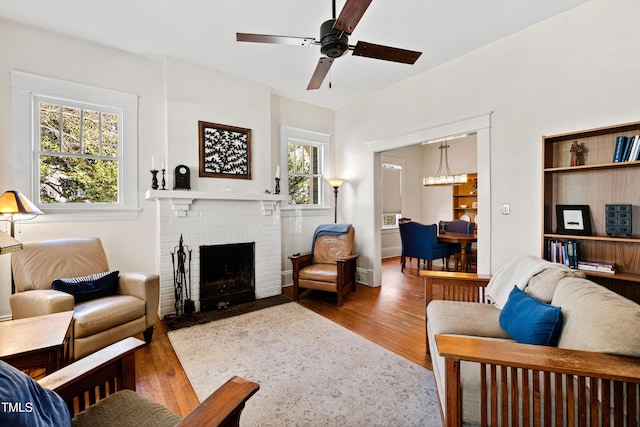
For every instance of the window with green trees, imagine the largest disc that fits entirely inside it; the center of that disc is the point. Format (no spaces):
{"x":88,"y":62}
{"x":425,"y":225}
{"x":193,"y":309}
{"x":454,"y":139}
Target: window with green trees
{"x":306,"y":156}
{"x":79,"y":155}
{"x":305,"y":174}
{"x":75,"y":147}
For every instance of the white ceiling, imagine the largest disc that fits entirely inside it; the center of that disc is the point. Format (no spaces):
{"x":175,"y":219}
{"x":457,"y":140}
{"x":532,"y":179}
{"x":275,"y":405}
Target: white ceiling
{"x":203,"y":32}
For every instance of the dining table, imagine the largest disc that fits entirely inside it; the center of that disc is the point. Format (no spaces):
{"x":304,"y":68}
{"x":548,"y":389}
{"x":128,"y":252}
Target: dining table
{"x":464,"y":239}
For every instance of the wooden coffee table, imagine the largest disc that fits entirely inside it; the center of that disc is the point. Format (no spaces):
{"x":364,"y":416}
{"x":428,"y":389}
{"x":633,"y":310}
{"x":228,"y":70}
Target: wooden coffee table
{"x":37,"y":342}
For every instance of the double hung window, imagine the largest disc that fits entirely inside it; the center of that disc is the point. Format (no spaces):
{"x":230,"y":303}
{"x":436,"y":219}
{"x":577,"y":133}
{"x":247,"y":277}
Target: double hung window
{"x":306,"y":157}
{"x":391,"y":193}
{"x":75,"y":148}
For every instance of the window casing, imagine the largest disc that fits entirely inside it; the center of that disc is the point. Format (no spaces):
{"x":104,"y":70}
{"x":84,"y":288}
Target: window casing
{"x":305,"y":155}
{"x":79,"y":146}
{"x":392,"y":178}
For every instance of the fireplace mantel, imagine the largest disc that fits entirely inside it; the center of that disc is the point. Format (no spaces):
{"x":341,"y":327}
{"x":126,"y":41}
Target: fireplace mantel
{"x":181,"y":200}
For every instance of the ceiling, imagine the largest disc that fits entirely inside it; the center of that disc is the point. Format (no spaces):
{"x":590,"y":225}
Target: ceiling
{"x":203,"y":32}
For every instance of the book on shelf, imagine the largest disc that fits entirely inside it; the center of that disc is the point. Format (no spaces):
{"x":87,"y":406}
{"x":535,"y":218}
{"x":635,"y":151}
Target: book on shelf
{"x":635,"y":147}
{"x":627,"y":149}
{"x":599,"y":267}
{"x":621,"y":142}
{"x":563,"y":252}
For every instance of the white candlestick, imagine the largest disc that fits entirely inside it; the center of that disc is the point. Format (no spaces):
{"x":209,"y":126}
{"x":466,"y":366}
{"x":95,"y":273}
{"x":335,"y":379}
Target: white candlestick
{"x":153,"y":162}
{"x":162,"y":165}
{"x":278,"y":172}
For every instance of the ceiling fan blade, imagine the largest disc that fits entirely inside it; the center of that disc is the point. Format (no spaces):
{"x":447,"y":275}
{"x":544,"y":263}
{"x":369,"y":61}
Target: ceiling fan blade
{"x":350,"y":15}
{"x":324,"y":64}
{"x":386,"y":53}
{"x":268,"y":38}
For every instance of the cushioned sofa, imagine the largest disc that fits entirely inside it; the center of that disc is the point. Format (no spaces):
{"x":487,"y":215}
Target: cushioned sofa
{"x":129,"y":306}
{"x":588,"y":375}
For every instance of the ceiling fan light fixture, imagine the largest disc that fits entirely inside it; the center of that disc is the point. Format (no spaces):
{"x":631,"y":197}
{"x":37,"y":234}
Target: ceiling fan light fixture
{"x":334,"y":43}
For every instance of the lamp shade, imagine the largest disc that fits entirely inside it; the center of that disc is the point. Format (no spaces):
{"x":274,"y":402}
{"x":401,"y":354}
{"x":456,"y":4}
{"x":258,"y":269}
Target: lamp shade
{"x":14,"y":202}
{"x":8,"y":244}
{"x":336,"y":182}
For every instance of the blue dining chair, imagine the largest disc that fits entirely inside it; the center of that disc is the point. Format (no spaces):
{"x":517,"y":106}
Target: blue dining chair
{"x":458,"y":226}
{"x":421,"y":241}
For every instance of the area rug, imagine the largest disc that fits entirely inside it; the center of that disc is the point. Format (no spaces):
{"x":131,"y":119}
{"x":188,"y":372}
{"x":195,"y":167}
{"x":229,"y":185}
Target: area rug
{"x":311,"y":371}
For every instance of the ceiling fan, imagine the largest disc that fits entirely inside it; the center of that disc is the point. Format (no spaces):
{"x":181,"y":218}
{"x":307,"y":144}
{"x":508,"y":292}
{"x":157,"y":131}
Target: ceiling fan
{"x":334,"y":41}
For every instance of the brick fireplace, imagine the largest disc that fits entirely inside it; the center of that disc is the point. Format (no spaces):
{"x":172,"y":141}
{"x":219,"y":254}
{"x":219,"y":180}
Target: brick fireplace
{"x":205,"y":218}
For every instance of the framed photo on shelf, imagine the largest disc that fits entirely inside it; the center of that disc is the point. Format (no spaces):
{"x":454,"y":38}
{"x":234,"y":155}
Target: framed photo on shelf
{"x":225,"y":151}
{"x":573,"y":219}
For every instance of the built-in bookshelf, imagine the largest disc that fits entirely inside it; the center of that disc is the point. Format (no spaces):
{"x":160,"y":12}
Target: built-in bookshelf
{"x":596,"y":182}
{"x":465,"y":198}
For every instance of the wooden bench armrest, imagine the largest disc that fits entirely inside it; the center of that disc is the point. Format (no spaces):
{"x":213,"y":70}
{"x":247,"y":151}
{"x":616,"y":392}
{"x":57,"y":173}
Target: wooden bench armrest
{"x":110,"y":369}
{"x":580,"y":381}
{"x":224,"y":406}
{"x":452,"y":286}
{"x":542,"y":358}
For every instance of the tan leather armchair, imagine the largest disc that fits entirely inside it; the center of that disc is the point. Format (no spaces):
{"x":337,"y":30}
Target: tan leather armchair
{"x":331,"y":267}
{"x":97,"y":323}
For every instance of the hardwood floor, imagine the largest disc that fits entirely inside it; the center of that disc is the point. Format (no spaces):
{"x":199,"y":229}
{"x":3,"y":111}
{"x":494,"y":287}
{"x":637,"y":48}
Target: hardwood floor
{"x":391,"y":316}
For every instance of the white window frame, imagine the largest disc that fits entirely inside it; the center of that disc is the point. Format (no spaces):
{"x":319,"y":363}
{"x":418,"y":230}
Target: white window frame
{"x":289,"y":135}
{"x":27,"y":91}
{"x":400,"y":164}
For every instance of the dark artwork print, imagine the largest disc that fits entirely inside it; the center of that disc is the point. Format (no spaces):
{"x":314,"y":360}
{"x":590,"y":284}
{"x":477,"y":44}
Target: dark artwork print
{"x":225,"y":151}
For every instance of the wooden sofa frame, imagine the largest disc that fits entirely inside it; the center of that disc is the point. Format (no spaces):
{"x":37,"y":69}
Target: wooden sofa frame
{"x":531,"y":385}
{"x":111,"y":369}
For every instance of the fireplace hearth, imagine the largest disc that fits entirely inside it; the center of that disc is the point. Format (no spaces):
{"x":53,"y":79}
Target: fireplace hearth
{"x":227,"y":275}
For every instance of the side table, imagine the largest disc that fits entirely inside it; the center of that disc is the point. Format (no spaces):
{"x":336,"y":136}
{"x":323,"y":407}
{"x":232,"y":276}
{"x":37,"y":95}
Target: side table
{"x":37,"y":342}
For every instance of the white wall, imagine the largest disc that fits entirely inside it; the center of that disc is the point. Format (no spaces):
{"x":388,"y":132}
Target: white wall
{"x":129,"y":244}
{"x":173,"y":96}
{"x":298,"y":225}
{"x":574,"y":71}
{"x":195,"y":93}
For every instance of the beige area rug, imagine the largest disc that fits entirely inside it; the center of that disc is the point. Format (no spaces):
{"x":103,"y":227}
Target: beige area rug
{"x":311,"y":371}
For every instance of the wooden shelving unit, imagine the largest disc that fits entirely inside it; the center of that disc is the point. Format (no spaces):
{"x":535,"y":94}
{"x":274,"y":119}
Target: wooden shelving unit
{"x":466,"y":195}
{"x":597,"y":182}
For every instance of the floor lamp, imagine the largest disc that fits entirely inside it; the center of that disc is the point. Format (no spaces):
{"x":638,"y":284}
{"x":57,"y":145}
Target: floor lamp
{"x":335,"y":183}
{"x":14,"y":203}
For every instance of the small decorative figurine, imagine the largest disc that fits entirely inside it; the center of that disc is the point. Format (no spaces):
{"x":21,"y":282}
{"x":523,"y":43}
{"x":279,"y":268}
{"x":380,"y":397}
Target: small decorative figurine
{"x":576,"y":153}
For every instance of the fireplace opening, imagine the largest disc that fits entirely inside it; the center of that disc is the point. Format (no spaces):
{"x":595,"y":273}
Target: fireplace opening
{"x":227,"y":275}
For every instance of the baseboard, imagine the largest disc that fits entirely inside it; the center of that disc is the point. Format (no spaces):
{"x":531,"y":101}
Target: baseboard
{"x":391,"y":252}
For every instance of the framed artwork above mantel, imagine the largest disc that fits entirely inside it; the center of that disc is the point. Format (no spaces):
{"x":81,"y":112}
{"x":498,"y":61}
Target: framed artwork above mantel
{"x":225,"y":151}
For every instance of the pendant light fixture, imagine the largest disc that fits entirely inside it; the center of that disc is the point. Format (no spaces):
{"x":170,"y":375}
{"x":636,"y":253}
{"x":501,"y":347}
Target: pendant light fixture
{"x":440,"y":178}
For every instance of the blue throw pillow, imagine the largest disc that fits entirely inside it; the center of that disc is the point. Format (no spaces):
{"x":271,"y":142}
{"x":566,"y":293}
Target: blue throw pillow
{"x":530,"y":321}
{"x":89,"y":287}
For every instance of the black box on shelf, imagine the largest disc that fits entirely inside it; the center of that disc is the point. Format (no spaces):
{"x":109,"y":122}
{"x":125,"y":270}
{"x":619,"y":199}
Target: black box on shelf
{"x":618,"y":218}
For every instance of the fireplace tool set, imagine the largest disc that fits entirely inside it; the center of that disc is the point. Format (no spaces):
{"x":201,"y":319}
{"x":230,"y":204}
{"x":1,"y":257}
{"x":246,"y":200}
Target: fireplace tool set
{"x":184,"y":305}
